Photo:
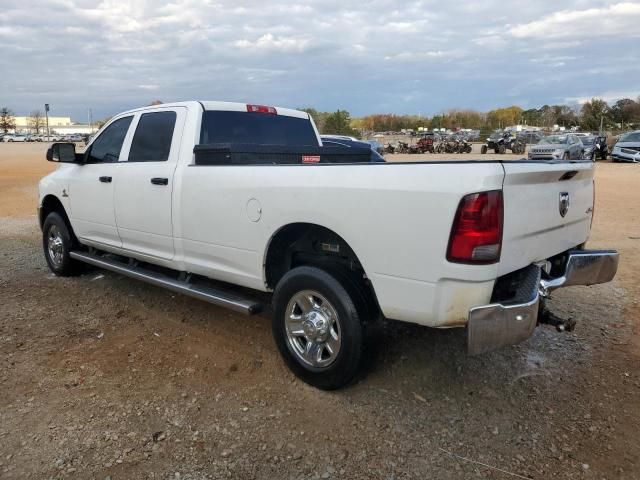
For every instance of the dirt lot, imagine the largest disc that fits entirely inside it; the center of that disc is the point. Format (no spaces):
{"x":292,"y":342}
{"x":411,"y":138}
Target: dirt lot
{"x":105,"y":377}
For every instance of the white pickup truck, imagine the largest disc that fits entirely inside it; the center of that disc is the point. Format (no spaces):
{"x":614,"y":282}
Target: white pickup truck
{"x":201,"y":196}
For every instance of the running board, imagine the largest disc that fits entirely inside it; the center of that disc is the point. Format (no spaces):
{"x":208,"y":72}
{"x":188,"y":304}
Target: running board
{"x":201,"y":292}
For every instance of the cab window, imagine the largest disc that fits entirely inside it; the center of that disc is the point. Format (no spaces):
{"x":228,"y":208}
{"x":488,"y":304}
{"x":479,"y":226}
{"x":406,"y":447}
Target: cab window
{"x":152,"y":140}
{"x":106,"y":148}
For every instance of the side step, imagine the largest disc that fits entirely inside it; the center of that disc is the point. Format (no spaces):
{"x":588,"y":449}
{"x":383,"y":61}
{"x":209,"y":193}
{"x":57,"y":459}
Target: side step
{"x":201,"y":292}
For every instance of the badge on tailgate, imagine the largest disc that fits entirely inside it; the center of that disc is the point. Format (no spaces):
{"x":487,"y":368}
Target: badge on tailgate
{"x":564,"y":203}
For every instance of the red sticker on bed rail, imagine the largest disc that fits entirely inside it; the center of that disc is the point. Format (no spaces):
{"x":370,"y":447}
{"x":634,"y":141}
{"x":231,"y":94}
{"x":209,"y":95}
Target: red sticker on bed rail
{"x":311,"y":159}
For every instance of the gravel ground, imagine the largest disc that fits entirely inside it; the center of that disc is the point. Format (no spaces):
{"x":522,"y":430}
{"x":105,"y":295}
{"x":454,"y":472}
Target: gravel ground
{"x":105,"y":377}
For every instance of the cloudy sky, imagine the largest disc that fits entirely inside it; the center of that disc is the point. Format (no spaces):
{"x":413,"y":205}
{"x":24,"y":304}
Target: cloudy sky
{"x":364,"y":56}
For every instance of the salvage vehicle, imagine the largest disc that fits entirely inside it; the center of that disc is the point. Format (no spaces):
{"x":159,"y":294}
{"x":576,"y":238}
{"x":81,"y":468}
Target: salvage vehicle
{"x":557,"y":147}
{"x":627,"y":148}
{"x":426,"y":143}
{"x":204,"y":197}
{"x":601,"y":147}
{"x":589,"y":144}
{"x":500,"y":142}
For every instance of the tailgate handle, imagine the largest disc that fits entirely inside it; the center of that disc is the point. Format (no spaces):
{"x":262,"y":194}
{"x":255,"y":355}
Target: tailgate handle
{"x":569,"y":175}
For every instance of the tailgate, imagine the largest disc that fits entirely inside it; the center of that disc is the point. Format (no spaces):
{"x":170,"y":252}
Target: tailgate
{"x":535,"y":198}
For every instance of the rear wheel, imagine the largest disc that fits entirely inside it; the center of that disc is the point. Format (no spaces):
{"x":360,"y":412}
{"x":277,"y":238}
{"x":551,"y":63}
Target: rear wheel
{"x":483,"y":149}
{"x":57,"y":244}
{"x":317,"y":326}
{"x":565,"y":156}
{"x":502,"y":149}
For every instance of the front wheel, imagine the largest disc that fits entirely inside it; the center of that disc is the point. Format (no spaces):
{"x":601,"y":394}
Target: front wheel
{"x":318,"y":327}
{"x":57,"y":243}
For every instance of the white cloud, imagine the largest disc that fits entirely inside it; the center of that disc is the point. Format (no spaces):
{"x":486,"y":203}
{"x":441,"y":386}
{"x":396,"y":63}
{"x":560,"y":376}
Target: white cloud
{"x":112,"y":55}
{"x":616,"y":19}
{"x":272,"y":43}
{"x":608,"y":96}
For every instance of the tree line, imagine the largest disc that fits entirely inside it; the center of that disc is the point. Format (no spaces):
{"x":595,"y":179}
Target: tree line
{"x":621,"y":115}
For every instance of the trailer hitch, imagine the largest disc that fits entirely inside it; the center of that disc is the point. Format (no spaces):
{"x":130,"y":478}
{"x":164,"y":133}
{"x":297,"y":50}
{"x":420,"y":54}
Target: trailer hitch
{"x":546,"y":316}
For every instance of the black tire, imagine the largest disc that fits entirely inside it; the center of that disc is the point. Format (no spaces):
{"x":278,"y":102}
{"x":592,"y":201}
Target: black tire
{"x":60,"y":262}
{"x":344,"y":300}
{"x":483,"y":149}
{"x":502,"y":149}
{"x":565,"y":156}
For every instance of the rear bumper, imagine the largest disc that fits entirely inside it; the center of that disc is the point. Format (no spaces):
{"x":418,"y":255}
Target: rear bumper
{"x":507,"y":322}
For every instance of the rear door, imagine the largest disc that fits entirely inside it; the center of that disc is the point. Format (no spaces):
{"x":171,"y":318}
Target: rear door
{"x":547,"y":209}
{"x":143,"y":192}
{"x":91,"y":186}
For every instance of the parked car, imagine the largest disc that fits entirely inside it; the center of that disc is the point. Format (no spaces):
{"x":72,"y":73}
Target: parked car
{"x":333,"y":142}
{"x":376,"y":146}
{"x":246,"y":195}
{"x":627,"y":148}
{"x":15,"y":137}
{"x":341,"y":137}
{"x":589,"y":144}
{"x":75,"y":138}
{"x":554,"y":147}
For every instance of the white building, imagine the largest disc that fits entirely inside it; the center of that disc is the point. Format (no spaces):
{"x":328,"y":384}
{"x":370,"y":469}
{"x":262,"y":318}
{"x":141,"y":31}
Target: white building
{"x":59,"y":125}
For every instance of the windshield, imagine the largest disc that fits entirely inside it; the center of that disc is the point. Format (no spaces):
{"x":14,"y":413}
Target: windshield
{"x":630,"y":137}
{"x":554,"y":139}
{"x":256,"y":129}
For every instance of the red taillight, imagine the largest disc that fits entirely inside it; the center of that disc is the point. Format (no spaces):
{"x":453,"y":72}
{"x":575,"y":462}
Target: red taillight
{"x":261,"y":109}
{"x":476,"y":235}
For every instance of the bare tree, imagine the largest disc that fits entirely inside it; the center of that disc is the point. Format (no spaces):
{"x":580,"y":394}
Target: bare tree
{"x":36,"y":121}
{"x":7,"y":120}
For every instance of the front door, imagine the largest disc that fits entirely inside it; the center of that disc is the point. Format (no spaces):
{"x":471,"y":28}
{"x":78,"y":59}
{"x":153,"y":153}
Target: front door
{"x":91,"y":187}
{"x":143,"y":192}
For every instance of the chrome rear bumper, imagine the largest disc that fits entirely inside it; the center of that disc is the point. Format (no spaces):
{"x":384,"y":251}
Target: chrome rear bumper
{"x":511,"y":321}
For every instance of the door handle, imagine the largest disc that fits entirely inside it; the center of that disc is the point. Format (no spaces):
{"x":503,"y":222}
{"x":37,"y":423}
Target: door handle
{"x":105,"y":179}
{"x":160,"y":181}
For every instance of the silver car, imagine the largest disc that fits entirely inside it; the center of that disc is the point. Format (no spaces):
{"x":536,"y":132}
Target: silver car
{"x":565,"y":146}
{"x":627,"y":149}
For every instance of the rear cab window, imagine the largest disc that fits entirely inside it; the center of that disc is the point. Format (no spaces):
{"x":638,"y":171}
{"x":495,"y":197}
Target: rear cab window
{"x":253,"y":128}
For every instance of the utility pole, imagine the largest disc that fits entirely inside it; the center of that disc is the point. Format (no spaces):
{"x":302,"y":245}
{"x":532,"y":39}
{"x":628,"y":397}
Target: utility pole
{"x":46,"y":112}
{"x":601,"y":119}
{"x":90,"y":118}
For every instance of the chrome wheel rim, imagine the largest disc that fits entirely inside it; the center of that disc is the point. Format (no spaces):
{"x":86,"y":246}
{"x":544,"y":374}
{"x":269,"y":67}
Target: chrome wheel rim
{"x":55,"y":246}
{"x":313,"y":329}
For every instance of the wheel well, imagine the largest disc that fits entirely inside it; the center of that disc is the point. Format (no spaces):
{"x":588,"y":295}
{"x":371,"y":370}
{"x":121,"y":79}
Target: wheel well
{"x":51,"y":203}
{"x":299,"y":244}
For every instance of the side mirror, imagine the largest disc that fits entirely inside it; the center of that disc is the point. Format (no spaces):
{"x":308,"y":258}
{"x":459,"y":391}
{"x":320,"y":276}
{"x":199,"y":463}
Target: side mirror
{"x":62,"y":152}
